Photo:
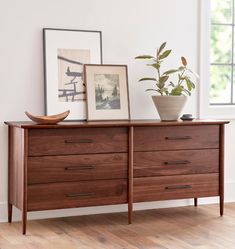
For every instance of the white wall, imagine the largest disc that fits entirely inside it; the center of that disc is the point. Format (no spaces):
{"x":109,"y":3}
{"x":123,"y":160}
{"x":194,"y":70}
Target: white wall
{"x":130,"y":28}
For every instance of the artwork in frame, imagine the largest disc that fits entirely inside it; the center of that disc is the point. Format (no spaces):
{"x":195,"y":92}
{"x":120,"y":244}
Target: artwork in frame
{"x":107,"y":92}
{"x":65,"y":53}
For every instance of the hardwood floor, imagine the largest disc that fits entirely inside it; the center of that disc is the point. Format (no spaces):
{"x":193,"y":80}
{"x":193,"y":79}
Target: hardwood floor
{"x":173,"y":228}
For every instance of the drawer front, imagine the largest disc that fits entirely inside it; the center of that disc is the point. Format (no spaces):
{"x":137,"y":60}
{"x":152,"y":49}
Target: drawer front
{"x":46,"y":169}
{"x":76,"y":194}
{"x":175,"y":187}
{"x":163,"y":163}
{"x":77,"y":141}
{"x":176,"y":137}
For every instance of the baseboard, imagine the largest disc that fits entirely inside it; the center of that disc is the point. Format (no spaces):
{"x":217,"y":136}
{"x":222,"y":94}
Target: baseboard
{"x":229,"y":197}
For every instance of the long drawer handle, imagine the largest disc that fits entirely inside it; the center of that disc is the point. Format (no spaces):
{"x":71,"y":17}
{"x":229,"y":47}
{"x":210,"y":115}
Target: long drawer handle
{"x":178,"y":187}
{"x":77,"y":195}
{"x":176,"y":162}
{"x":78,"y":141}
{"x":178,"y":138}
{"x":82,"y":167}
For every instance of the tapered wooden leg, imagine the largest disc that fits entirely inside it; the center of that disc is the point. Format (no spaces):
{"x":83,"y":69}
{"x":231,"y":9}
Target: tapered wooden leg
{"x":9,"y":212}
{"x":221,"y":199}
{"x":195,"y":202}
{"x":10,"y":176}
{"x":221,"y":168}
{"x":130,"y":212}
{"x":24,"y":221}
{"x":25,"y":193}
{"x":130,"y":176}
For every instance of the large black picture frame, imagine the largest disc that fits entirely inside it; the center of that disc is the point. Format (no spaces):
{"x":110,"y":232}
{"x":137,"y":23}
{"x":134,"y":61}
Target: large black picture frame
{"x":65,"y":51}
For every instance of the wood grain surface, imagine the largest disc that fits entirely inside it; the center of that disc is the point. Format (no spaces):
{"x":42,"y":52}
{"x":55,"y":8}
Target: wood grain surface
{"x":76,"y":194}
{"x":184,"y":162}
{"x":175,"y":187}
{"x":176,"y":138}
{"x":16,"y":167}
{"x":77,"y":141}
{"x":84,"y":124}
{"x":172,"y":228}
{"x":46,"y":169}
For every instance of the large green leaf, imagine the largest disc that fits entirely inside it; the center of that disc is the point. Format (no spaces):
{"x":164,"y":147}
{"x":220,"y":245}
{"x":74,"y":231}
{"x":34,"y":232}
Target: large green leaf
{"x":163,"y":79}
{"x":144,"y":57}
{"x":177,"y":91}
{"x":189,"y":85}
{"x":162,"y":47}
{"x":171,"y":71}
{"x":190,"y":82}
{"x":143,"y":79}
{"x":164,"y":55}
{"x":155,"y":65}
{"x":147,"y":90}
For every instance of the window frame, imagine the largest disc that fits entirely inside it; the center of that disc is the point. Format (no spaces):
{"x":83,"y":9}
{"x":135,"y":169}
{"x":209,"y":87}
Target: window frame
{"x":206,"y":110}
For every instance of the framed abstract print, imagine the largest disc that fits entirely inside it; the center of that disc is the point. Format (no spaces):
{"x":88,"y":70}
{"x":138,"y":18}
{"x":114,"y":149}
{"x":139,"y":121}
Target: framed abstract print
{"x":65,"y":53}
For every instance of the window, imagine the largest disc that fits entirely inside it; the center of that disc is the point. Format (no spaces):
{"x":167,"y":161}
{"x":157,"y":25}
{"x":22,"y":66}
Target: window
{"x":217,"y":63}
{"x":222,"y":71}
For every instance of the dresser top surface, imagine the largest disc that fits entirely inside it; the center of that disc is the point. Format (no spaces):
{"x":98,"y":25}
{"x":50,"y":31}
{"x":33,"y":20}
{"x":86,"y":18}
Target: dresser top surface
{"x":80,"y":124}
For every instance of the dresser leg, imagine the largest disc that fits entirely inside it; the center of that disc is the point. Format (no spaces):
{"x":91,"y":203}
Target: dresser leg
{"x":130,"y":174}
{"x":24,"y":221}
{"x":130,"y":213}
{"x":221,"y":170}
{"x":195,"y":202}
{"x":221,"y":199}
{"x":9,"y":212}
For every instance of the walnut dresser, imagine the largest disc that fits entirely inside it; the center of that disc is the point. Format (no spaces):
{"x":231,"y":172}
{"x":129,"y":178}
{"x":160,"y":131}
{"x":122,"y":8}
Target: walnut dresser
{"x":81,"y":164}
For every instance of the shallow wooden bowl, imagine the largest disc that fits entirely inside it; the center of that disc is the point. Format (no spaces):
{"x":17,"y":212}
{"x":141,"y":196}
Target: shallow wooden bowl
{"x":53,"y":119}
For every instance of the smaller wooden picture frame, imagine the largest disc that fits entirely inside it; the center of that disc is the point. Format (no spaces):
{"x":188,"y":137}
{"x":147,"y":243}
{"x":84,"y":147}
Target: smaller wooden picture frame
{"x":107,"y":92}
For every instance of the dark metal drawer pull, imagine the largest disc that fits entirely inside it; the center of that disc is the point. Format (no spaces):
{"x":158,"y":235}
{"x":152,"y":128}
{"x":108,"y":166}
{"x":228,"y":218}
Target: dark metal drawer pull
{"x":178,"y":187}
{"x":78,"y":141}
{"x":178,"y":138}
{"x":82,"y":167}
{"x":176,"y":162}
{"x":80,"y":195}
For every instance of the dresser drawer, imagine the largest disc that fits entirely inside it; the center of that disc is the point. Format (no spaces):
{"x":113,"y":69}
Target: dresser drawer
{"x":46,"y":169}
{"x":175,"y":187}
{"x":77,"y":141}
{"x":76,"y":194}
{"x":163,"y":163}
{"x":176,"y":137}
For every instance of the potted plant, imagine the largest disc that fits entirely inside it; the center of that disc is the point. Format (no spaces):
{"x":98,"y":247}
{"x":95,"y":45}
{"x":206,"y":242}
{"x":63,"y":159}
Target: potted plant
{"x":172,"y":89}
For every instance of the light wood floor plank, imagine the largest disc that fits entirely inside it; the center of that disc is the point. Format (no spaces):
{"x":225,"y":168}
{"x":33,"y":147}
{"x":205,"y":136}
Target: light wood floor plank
{"x":173,"y":228}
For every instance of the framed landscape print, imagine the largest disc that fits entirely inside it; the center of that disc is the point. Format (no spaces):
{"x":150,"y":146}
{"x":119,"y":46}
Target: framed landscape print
{"x":107,"y":92}
{"x":65,"y":53}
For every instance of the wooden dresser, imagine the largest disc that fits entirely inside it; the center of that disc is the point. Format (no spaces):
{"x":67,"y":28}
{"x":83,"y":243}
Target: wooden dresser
{"x":80,"y":164}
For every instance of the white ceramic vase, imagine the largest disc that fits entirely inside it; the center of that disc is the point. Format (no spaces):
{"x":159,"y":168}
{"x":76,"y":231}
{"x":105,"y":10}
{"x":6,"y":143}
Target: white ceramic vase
{"x":169,"y":107}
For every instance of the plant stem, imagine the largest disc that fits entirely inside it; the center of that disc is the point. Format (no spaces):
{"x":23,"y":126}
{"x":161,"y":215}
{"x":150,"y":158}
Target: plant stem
{"x":181,"y":80}
{"x":159,"y":74}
